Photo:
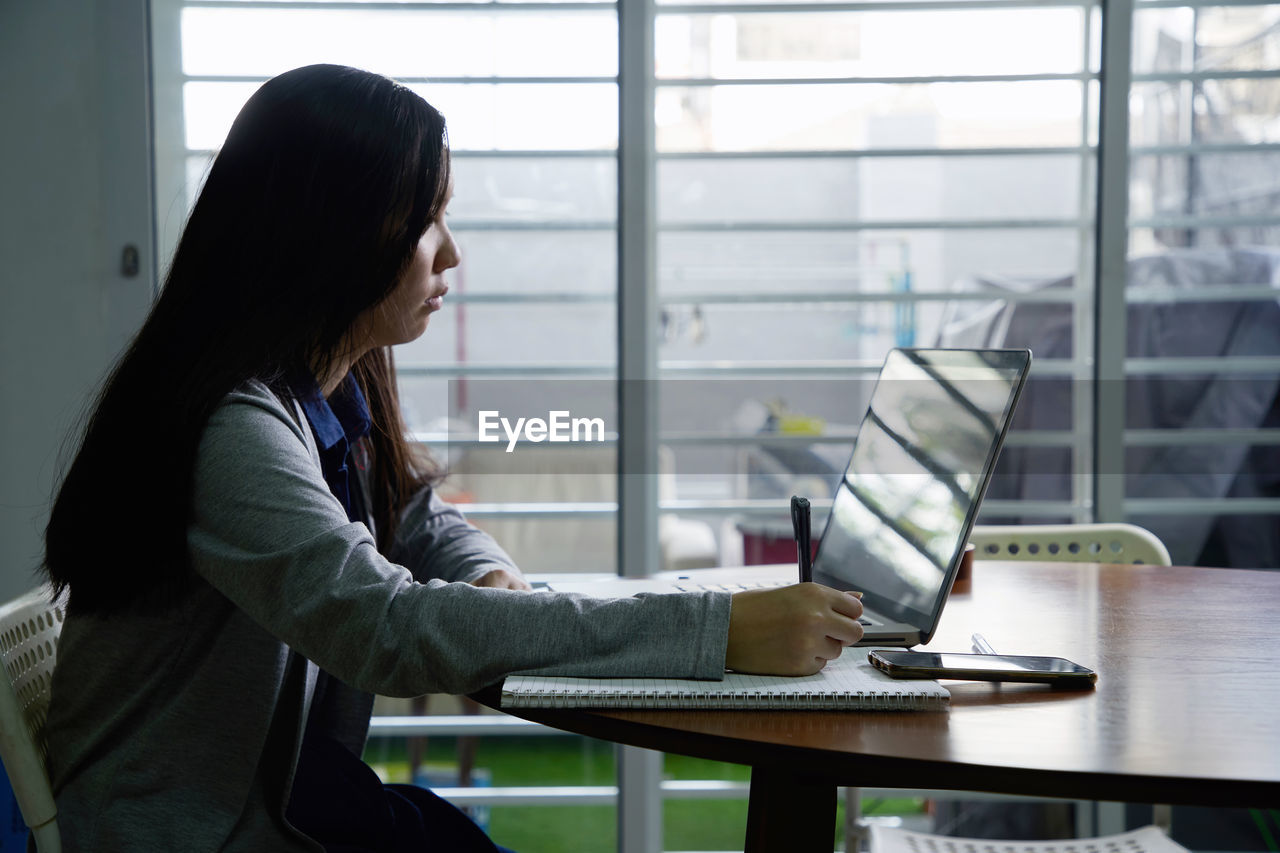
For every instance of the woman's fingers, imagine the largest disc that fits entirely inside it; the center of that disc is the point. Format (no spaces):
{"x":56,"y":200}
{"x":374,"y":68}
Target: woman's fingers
{"x":846,"y":633}
{"x":846,"y":629}
{"x":832,"y":649}
{"x":848,"y":603}
{"x":790,"y":631}
{"x":501,"y":579}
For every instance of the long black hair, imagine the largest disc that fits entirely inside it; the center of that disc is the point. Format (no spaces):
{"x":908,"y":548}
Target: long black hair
{"x":309,"y":216}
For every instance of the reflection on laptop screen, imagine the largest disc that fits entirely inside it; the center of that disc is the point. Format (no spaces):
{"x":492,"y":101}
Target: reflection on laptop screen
{"x":920,"y":461}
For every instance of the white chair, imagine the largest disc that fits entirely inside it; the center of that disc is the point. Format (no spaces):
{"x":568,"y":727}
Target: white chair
{"x":1077,"y":543}
{"x":1149,"y":839}
{"x":29,"y":629}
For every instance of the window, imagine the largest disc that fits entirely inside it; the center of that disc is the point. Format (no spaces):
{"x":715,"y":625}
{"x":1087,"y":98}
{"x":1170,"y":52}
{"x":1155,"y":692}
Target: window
{"x":533,"y":135}
{"x":1200,"y":444}
{"x":870,"y":179}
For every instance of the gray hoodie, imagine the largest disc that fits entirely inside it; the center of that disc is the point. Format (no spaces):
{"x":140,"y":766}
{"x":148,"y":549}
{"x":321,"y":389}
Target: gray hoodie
{"x":180,"y":730}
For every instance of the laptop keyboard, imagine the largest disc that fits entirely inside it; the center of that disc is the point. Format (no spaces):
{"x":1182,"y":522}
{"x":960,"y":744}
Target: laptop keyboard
{"x":689,"y":586}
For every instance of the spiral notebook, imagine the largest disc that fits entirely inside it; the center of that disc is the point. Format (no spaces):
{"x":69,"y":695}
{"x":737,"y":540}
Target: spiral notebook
{"x":847,"y":683}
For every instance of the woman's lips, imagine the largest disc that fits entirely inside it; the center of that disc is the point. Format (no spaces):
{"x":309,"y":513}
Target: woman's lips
{"x":436,"y":301}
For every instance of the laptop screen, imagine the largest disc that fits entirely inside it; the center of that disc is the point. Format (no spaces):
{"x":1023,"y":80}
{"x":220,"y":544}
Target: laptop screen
{"x":921,"y":461}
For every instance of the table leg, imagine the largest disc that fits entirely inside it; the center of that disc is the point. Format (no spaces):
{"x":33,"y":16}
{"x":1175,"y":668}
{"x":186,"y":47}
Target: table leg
{"x":789,"y":813}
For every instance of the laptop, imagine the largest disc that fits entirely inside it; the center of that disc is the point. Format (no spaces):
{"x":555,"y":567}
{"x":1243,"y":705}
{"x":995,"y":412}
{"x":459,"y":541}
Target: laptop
{"x":902,"y":513}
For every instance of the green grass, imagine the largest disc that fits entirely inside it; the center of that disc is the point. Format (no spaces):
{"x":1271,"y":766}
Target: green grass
{"x":570,"y":760}
{"x":551,"y":829}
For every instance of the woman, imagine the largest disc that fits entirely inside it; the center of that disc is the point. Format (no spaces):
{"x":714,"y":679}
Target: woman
{"x":251,"y":547}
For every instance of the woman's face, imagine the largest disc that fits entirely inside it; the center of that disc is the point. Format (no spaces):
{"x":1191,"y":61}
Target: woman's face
{"x":404,"y":314}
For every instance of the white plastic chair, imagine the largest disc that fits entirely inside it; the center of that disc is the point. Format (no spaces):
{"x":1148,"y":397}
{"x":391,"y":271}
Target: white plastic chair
{"x":29,"y":629}
{"x":1149,"y":839}
{"x":1077,"y":543}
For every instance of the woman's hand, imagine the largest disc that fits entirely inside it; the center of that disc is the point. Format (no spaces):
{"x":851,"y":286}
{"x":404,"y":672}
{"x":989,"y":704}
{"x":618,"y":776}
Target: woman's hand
{"x":501,"y":579}
{"x":791,"y":631}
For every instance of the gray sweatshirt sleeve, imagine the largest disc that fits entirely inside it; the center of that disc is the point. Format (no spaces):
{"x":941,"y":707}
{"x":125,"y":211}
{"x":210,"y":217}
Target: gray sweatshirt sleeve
{"x":268,"y":534}
{"x":434,"y":540}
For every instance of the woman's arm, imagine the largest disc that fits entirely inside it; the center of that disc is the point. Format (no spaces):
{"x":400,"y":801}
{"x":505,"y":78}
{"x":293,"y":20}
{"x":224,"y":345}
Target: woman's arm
{"x":269,"y":535}
{"x":435,"y":541}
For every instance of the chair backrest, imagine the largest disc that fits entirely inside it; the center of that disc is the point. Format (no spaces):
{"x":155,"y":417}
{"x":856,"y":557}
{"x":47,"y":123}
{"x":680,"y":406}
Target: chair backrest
{"x":1148,"y":839}
{"x":29,"y":630}
{"x":1080,"y":543}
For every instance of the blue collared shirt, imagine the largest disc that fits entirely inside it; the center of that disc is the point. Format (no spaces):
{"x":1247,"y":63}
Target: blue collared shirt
{"x":338,"y":423}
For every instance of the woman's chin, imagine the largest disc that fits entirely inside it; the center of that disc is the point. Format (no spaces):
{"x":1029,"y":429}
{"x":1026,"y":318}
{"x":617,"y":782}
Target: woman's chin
{"x":420,"y":327}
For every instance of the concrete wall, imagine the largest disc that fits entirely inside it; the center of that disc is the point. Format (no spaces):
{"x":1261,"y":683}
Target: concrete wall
{"x":74,"y":189}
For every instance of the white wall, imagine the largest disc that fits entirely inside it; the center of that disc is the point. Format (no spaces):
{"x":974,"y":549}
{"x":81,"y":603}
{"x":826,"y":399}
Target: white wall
{"x":74,"y":188}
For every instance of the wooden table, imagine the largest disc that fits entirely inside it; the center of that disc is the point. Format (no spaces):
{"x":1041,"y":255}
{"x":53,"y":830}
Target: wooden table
{"x":1186,"y":709}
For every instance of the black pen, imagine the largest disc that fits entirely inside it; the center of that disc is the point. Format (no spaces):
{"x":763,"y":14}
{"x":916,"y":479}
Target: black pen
{"x":800,"y":524}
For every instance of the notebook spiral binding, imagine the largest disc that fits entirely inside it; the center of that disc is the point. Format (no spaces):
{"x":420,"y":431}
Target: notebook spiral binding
{"x":727,"y":700}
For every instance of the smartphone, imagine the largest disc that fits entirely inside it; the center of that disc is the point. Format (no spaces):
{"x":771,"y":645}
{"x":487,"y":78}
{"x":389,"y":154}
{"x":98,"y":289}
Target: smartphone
{"x":1059,"y":671}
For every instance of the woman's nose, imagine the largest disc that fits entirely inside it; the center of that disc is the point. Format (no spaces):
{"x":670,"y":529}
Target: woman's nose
{"x":449,"y":255}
